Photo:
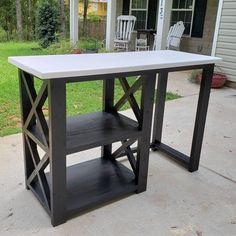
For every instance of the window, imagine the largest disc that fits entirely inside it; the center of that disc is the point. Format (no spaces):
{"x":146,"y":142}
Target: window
{"x":95,"y":6}
{"x":183,"y":10}
{"x":139,"y":8}
{"x":147,"y":9}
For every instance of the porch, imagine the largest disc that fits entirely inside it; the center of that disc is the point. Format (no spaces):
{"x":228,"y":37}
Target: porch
{"x":198,"y":16}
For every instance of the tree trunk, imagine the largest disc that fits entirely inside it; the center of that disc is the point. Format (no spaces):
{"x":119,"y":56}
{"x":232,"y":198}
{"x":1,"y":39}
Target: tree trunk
{"x":85,"y":17}
{"x":30,"y":31}
{"x":62,"y":18}
{"x":19,"y":20}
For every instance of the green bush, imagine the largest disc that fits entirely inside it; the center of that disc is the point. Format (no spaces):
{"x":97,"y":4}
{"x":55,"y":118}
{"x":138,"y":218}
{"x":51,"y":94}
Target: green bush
{"x":92,"y":17}
{"x":193,"y":76}
{"x":46,"y":24}
{"x":3,"y":35}
{"x":88,"y":43}
{"x":62,"y":47}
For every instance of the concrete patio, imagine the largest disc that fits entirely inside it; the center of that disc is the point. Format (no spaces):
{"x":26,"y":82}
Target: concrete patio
{"x":176,"y":203}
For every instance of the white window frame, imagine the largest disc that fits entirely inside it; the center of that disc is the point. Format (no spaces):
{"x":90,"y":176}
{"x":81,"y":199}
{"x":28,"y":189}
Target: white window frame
{"x":140,"y":9}
{"x":190,"y":10}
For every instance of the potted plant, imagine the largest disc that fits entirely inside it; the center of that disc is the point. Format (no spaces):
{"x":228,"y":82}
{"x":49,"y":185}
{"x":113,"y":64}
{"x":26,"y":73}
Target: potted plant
{"x":91,"y":46}
{"x":218,"y":80}
{"x":76,"y":51}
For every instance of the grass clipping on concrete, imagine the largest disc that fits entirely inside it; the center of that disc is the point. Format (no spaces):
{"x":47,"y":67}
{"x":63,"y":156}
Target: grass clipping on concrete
{"x":82,"y":97}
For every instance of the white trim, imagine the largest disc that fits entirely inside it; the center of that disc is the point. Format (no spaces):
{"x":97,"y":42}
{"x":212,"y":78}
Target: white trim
{"x":191,"y":26}
{"x":163,"y":23}
{"x":74,"y":24}
{"x":217,"y":27}
{"x":188,"y":10}
{"x":111,"y":24}
{"x":140,"y":9}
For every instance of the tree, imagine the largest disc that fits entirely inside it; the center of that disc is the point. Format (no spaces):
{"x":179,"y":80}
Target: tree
{"x":46,"y":24}
{"x":62,"y":18}
{"x":7,"y":17}
{"x":30,"y":13}
{"x":85,"y":20}
{"x":19,"y":20}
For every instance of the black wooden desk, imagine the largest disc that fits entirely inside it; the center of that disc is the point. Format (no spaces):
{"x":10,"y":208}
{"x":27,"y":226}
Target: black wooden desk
{"x":66,"y":191}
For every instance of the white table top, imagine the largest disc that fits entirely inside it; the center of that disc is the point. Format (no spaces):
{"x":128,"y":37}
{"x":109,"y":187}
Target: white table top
{"x":62,"y":66}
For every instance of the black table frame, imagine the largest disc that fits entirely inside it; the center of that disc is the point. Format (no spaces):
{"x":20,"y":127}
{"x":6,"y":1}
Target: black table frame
{"x":190,"y":162}
{"x":51,"y":188}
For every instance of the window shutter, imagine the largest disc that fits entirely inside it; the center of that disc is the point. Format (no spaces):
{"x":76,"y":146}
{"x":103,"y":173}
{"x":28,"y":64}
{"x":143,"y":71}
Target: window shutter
{"x":152,"y":14}
{"x":199,"y":18}
{"x":126,"y":4}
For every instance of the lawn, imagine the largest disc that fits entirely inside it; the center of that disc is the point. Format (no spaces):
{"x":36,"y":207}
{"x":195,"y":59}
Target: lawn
{"x":81,"y":97}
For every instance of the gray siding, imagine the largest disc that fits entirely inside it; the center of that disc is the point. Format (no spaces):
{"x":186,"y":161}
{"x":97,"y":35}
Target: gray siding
{"x":226,"y":42}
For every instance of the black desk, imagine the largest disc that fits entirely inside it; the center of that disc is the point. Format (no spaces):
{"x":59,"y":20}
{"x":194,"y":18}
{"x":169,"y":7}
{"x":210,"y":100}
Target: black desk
{"x":66,"y":191}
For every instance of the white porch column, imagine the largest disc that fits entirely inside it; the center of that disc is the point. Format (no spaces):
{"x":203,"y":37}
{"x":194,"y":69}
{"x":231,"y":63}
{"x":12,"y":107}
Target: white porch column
{"x":217,"y":27}
{"x":74,"y":21}
{"x":111,"y":24}
{"x":163,"y":23}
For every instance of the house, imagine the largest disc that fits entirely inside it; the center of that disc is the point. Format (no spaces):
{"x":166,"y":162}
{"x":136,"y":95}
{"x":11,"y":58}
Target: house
{"x":210,"y":25}
{"x":96,"y":7}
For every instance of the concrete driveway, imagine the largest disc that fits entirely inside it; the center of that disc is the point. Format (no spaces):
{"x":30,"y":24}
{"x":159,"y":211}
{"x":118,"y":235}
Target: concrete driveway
{"x":176,"y":203}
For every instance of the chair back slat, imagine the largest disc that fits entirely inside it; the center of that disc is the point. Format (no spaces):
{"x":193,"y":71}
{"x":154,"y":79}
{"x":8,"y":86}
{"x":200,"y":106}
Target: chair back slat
{"x":125,"y":26}
{"x":124,"y":29}
{"x":175,"y":33}
{"x":127,"y":30}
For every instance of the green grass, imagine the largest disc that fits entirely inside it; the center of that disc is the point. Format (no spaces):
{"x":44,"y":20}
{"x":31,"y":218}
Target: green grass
{"x":81,"y":97}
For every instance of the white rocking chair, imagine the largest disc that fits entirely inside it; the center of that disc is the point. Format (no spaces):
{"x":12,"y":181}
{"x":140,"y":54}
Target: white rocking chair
{"x":125,"y":26}
{"x":174,"y":36}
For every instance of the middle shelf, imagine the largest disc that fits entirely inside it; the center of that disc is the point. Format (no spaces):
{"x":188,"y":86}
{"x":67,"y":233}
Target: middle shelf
{"x":94,"y":130}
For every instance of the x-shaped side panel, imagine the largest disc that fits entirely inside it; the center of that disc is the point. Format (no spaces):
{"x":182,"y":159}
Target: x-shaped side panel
{"x":125,"y":147}
{"x":39,"y":166}
{"x":37,"y":102}
{"x":129,"y":96}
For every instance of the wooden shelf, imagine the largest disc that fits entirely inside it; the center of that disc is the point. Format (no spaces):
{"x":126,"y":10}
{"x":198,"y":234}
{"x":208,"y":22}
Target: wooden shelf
{"x":95,"y":129}
{"x":94,"y":182}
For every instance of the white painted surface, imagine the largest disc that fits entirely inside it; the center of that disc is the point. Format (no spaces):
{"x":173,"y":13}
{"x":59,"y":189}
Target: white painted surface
{"x":74,"y":24}
{"x":61,"y":66}
{"x":163,"y":23}
{"x":111,"y":24}
{"x":217,"y":27}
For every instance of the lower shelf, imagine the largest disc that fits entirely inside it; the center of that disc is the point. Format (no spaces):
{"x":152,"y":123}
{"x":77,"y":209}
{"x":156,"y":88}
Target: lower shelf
{"x":95,"y":182}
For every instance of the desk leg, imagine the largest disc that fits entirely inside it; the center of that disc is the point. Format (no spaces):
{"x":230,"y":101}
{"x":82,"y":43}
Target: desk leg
{"x":191,"y":162}
{"x":200,"y":120}
{"x":57,"y":146}
{"x":160,"y":107}
{"x":148,"y":89}
{"x":25,"y":111}
{"x":108,"y":106}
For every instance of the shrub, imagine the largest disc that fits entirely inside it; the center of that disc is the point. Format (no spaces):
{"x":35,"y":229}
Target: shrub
{"x":62,"y":47}
{"x":3,"y":35}
{"x":193,"y":76}
{"x":93,"y":17}
{"x":46,"y":24}
{"x":88,"y":43}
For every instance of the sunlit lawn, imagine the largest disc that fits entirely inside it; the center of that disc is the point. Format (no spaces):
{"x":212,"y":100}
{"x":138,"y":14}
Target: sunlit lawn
{"x":81,"y":97}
